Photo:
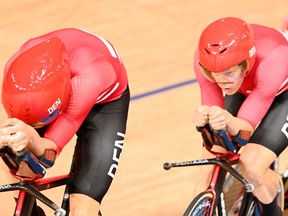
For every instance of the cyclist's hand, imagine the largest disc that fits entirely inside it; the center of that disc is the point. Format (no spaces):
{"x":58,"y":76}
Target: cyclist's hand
{"x":3,"y":142}
{"x":15,"y":133}
{"x":200,"y":116}
{"x":218,"y":118}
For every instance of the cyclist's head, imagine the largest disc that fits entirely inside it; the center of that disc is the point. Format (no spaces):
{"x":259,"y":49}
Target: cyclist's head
{"x":36,"y":85}
{"x":225,"y":43}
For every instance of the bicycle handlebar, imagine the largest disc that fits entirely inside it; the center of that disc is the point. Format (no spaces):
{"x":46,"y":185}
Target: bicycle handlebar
{"x":226,"y":138}
{"x":25,"y":164}
{"x":231,"y":143}
{"x":28,"y":159}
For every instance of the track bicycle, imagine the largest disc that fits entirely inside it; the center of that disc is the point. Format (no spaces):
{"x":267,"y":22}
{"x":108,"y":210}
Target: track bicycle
{"x":30,"y":172}
{"x":228,"y":193}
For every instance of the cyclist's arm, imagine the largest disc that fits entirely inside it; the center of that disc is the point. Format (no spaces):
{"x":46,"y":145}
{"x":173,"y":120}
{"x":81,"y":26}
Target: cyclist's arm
{"x":45,"y":143}
{"x":235,"y":124}
{"x":87,"y":87}
{"x":19,"y":135}
{"x":220,"y":119}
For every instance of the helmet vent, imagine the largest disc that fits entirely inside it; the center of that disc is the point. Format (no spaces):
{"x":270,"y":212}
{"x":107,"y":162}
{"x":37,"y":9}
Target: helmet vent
{"x":207,"y":51}
{"x":216,"y":44}
{"x":222,"y":51}
{"x":27,"y":114}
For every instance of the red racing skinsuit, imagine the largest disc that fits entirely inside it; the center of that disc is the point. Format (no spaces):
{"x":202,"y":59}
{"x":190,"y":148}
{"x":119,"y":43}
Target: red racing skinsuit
{"x":97,"y":76}
{"x":264,"y":81}
{"x":97,"y":109}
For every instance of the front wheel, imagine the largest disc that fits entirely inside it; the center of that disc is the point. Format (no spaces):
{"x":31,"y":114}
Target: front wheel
{"x":201,"y":205}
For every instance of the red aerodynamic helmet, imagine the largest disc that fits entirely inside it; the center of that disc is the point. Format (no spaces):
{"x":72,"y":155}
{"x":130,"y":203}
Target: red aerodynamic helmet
{"x":36,"y":85}
{"x":225,"y":43}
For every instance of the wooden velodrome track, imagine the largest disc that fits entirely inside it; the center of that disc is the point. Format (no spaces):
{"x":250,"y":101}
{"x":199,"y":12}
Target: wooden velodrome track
{"x":156,"y":40}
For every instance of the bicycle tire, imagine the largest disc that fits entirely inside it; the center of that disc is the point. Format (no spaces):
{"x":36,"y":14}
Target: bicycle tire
{"x":233,"y":190}
{"x":281,"y":196}
{"x":201,"y":205}
{"x":254,"y":209}
{"x":250,"y":210}
{"x":285,"y":185}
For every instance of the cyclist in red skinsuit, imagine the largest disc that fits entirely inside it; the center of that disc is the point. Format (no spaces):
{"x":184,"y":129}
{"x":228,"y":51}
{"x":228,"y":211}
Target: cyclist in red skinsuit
{"x":62,"y":83}
{"x":249,"y":64}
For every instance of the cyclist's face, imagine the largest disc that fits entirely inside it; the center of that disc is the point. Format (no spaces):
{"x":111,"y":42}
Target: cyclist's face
{"x":229,"y":80}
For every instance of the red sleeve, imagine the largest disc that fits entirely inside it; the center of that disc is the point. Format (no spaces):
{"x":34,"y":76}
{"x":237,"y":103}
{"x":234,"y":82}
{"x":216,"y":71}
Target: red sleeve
{"x":265,"y":81}
{"x":98,"y":76}
{"x":211,"y":93}
{"x":269,"y":77}
{"x":86,"y":87}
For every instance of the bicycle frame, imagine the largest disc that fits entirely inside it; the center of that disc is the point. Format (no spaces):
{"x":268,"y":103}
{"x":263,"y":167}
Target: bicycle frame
{"x":223,"y":164}
{"x":32,"y":188}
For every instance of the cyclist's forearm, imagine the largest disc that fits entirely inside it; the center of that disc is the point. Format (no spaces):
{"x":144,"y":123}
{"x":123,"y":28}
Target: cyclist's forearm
{"x":38,"y":144}
{"x":235,"y":124}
